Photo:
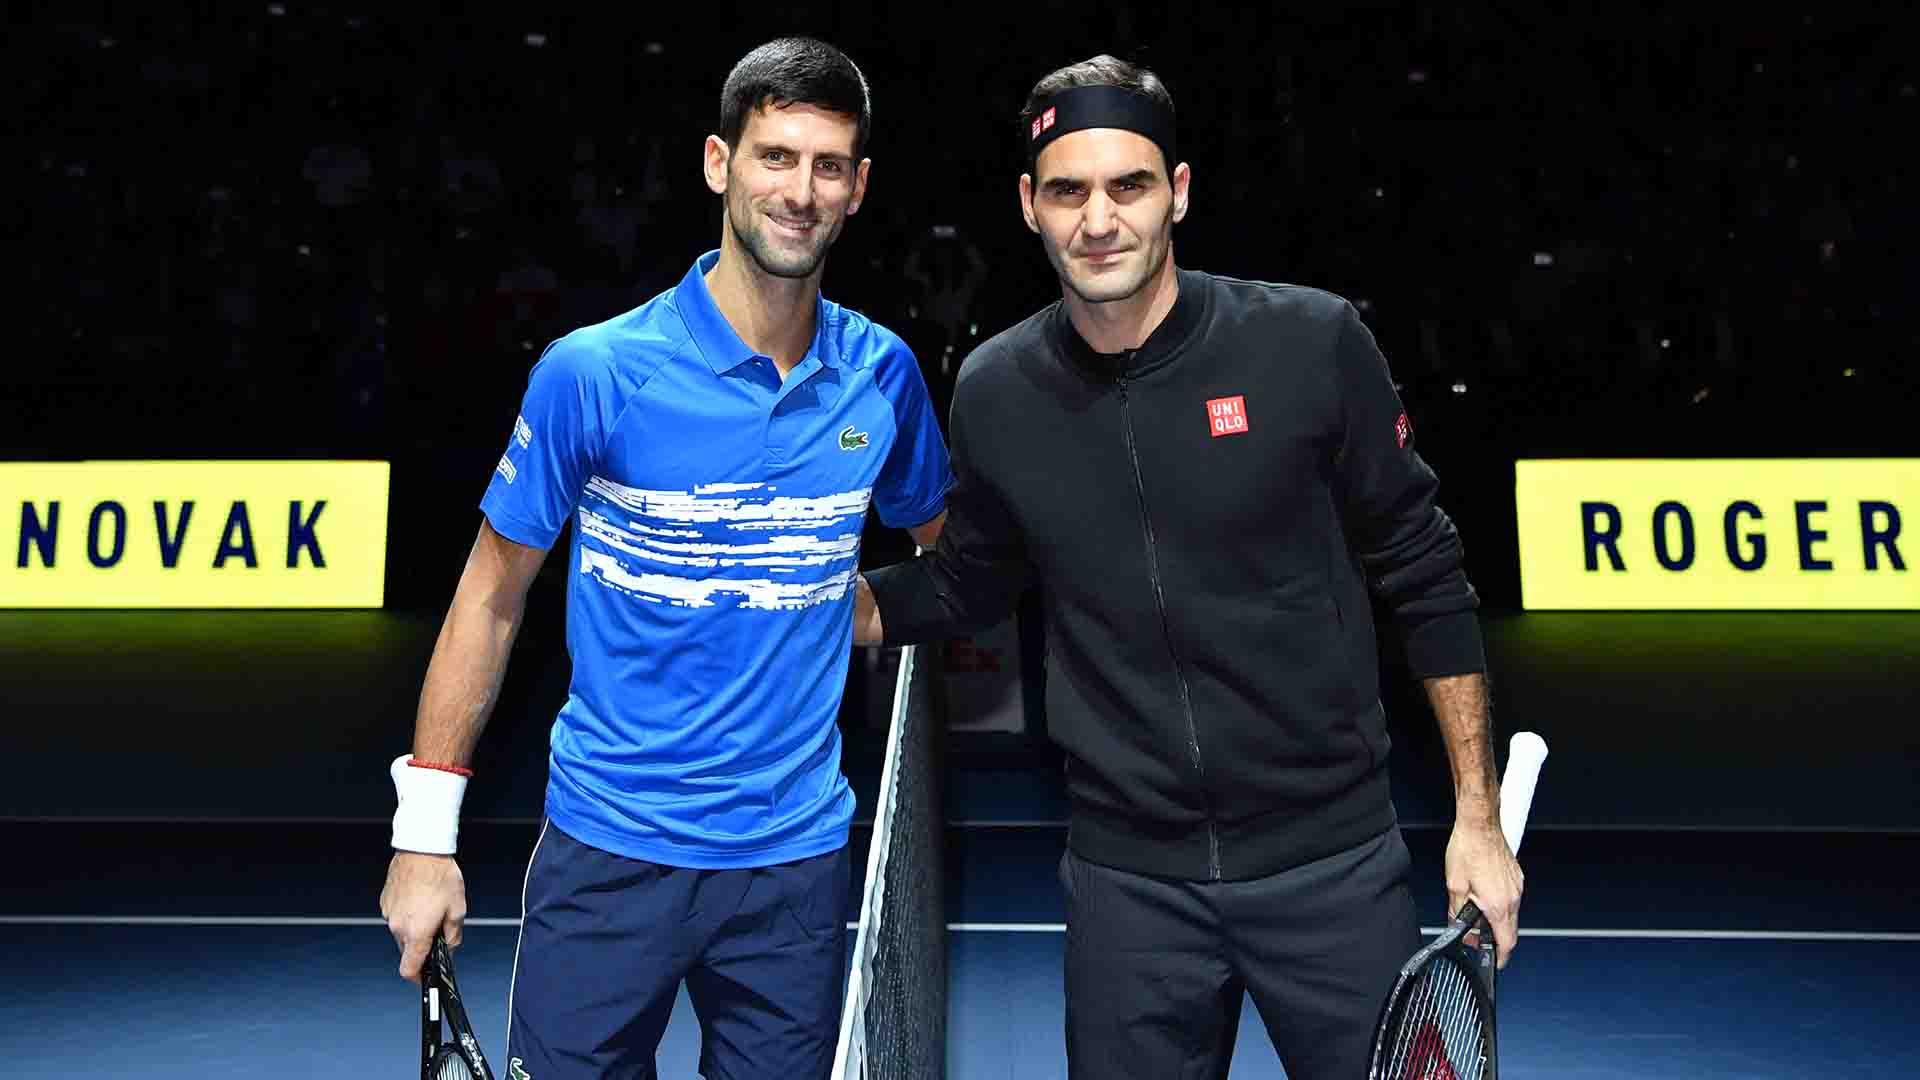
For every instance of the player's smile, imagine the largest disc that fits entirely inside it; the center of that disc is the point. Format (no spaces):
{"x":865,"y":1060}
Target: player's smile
{"x":797,"y":227}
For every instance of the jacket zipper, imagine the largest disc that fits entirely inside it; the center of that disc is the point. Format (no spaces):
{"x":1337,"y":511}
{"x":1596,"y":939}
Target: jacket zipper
{"x":1166,"y":628}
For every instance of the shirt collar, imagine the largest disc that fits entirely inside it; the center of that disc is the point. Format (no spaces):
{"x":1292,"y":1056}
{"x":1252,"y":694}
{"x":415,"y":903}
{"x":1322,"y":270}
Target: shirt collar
{"x":714,"y":336}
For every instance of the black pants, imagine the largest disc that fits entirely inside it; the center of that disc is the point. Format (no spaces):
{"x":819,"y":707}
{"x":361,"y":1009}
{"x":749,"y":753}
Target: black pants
{"x":1156,"y":967}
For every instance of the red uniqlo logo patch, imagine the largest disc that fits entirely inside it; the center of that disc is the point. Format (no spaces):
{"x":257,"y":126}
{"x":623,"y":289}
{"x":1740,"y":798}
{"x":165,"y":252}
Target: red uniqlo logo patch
{"x":1403,"y":430}
{"x":1227,"y":415}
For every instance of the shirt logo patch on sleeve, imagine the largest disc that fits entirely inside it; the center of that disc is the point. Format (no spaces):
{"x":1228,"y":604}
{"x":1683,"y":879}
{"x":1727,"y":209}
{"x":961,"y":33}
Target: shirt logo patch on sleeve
{"x":521,"y":432}
{"x":1227,"y":415}
{"x":1402,"y":430}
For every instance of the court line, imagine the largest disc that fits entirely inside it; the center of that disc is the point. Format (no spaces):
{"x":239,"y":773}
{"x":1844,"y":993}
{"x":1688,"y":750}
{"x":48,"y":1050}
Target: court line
{"x":956,"y":927}
{"x":958,"y":823}
{"x":370,"y":822}
{"x":1571,"y":827}
{"x":1714,"y":935}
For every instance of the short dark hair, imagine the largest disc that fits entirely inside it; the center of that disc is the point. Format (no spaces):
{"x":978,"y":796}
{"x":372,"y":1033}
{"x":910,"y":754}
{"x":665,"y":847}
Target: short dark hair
{"x":1102,"y":70}
{"x":795,"y":71}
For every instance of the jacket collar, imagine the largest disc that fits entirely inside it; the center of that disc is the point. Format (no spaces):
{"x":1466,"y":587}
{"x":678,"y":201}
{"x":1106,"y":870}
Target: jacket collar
{"x":1167,"y":339}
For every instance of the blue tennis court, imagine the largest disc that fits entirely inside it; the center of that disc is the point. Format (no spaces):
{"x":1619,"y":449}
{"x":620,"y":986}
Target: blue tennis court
{"x":1712,"y":893}
{"x":224,"y":950}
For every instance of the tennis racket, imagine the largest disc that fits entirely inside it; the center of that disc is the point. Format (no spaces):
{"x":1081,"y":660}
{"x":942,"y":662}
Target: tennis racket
{"x":459,"y":1059}
{"x":1438,"y":1021}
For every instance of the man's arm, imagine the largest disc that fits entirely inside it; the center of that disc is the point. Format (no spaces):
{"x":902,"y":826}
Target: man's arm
{"x":424,"y":892}
{"x":973,"y":563}
{"x":1415,"y":565}
{"x":927,"y":534}
{"x":1406,"y":543}
{"x":470,"y":657}
{"x":1479,"y":865}
{"x":867,"y":629}
{"x":970,"y":578}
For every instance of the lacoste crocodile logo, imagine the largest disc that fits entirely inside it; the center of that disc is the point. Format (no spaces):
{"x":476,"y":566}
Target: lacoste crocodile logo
{"x":851,"y":439}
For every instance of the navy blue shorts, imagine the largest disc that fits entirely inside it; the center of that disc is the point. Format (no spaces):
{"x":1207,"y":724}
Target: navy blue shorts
{"x":606,"y":941}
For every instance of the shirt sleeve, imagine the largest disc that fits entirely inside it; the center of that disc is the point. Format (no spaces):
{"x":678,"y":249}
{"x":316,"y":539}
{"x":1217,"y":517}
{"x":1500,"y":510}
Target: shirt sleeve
{"x":556,"y":441}
{"x":1407,"y":545}
{"x":912,"y":486}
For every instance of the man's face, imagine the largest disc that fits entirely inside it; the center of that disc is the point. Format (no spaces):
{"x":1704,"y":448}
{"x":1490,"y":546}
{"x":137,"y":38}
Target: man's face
{"x":790,"y":185}
{"x":1104,"y":207}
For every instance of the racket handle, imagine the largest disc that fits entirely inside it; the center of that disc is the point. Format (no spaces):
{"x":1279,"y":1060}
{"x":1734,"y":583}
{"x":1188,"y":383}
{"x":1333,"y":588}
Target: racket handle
{"x":1470,"y":914}
{"x":1525,"y":754}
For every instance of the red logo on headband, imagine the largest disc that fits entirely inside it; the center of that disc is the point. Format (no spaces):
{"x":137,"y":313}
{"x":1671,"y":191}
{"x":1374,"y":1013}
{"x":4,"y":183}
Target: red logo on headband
{"x":1042,"y":123}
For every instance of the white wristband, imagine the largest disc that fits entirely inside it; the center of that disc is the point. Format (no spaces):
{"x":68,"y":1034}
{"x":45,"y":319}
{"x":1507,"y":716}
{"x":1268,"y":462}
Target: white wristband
{"x":428,"y":817}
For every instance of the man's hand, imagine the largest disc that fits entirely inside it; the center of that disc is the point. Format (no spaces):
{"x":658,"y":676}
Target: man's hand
{"x":425,"y":895}
{"x":1481,"y":868}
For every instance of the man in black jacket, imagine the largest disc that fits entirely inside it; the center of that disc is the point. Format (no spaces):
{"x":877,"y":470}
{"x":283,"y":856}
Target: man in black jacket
{"x":1211,"y":479}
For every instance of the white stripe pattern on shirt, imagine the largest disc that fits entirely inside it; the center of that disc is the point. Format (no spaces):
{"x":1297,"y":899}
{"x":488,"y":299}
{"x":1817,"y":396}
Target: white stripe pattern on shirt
{"x":673,"y":547}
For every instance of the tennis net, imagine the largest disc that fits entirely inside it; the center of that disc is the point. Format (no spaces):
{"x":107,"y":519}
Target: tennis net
{"x":894,"y":1022}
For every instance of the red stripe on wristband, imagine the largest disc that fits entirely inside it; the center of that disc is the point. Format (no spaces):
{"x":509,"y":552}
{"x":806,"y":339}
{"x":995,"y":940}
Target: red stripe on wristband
{"x":418,"y":764}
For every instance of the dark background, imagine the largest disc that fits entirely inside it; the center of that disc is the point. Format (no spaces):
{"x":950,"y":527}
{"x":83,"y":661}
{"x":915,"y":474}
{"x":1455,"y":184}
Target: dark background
{"x":300,"y":230}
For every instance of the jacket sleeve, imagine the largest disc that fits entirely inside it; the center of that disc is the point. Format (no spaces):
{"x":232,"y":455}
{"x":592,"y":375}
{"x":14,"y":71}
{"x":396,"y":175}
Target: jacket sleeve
{"x":1407,"y":545}
{"x":973,"y":577}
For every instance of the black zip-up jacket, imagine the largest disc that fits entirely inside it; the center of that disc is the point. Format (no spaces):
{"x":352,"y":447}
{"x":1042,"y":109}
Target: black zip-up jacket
{"x":1206,"y":516}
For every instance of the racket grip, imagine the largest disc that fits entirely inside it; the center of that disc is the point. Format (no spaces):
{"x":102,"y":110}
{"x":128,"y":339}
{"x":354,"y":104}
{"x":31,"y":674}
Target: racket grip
{"x":1525,"y":754}
{"x":1469,"y":913}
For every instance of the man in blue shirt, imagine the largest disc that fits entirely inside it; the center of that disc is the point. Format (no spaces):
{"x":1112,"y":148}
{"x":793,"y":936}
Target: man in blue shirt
{"x":716,"y":450}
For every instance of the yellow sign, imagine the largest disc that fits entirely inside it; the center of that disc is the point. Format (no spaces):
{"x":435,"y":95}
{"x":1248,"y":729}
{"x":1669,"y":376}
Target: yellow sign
{"x":1693,"y":535}
{"x":193,"y":534}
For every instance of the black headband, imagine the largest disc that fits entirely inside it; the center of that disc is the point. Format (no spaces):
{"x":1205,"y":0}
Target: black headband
{"x":1083,"y":107}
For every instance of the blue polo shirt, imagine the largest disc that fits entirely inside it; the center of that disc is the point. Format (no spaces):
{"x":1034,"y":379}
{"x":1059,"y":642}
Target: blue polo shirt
{"x":717,"y":513}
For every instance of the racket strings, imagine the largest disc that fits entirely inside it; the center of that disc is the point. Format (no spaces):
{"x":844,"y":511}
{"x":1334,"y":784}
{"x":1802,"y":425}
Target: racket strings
{"x":1441,"y":1034}
{"x":451,"y":1066}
